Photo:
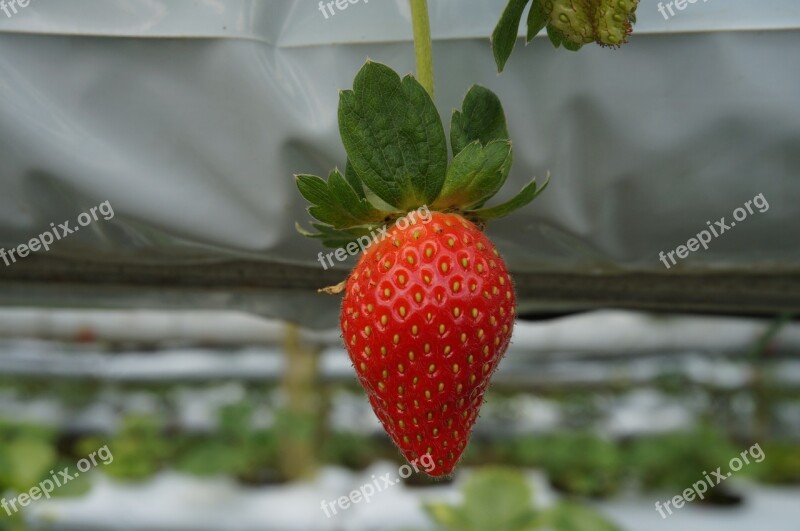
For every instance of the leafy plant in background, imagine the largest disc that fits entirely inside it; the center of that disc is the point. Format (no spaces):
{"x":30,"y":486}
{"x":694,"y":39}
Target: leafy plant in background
{"x":352,"y":450}
{"x":14,"y":522}
{"x":236,"y":448}
{"x":580,"y":464}
{"x":781,"y":466}
{"x":423,"y":361}
{"x":140,"y":448}
{"x":674,"y":461}
{"x":27,"y":453}
{"x":502,"y":500}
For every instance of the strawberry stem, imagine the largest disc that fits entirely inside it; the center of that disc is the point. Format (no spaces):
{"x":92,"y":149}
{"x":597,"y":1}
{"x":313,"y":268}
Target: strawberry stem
{"x":422,"y":43}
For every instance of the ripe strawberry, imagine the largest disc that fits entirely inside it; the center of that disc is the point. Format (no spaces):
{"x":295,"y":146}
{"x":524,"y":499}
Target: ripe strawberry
{"x":428,"y":311}
{"x":427,"y":315}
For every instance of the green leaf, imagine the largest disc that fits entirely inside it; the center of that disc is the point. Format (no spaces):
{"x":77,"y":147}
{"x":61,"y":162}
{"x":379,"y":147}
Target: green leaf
{"x":30,"y":460}
{"x":498,"y":499}
{"x":570,"y":516}
{"x":481,"y":118}
{"x":209,"y":458}
{"x":393,"y":136}
{"x":504,"y":35}
{"x":352,"y":178}
{"x":528,"y":194}
{"x":494,"y":498}
{"x":335,"y":202}
{"x":537,"y":19}
{"x":476,"y":174}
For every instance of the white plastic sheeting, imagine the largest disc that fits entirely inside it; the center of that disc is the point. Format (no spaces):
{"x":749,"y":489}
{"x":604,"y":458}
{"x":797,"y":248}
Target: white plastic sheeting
{"x":191,"y":116}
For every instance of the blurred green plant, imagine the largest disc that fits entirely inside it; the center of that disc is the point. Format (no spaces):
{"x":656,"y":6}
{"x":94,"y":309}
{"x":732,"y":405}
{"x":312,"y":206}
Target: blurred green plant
{"x":352,"y":450}
{"x":140,"y":448}
{"x":674,"y":461}
{"x":27,"y":454}
{"x":236,"y":448}
{"x":484,"y":452}
{"x":580,"y":464}
{"x":12,"y":523}
{"x":781,"y":464}
{"x":501,"y":499}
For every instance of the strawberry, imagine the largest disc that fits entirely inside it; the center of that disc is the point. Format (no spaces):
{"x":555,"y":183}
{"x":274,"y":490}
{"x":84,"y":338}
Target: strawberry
{"x":429,"y":309}
{"x":427,"y":315}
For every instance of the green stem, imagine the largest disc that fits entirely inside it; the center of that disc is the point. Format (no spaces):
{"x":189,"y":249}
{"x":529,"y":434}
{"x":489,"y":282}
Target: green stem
{"x":422,"y":43}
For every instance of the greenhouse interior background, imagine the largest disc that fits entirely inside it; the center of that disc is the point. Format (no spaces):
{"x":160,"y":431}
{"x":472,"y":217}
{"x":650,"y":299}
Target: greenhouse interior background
{"x":168,"y":363}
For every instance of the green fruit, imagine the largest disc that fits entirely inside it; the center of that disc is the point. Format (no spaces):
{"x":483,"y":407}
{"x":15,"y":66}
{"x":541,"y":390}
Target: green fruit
{"x":574,"y":23}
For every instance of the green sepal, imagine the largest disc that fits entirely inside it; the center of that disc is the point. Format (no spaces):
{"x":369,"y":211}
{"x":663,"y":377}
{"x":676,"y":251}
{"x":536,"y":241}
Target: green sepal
{"x":333,"y":238}
{"x":558,"y":38}
{"x":571,"y":46}
{"x":525,"y":196}
{"x":481,"y":118}
{"x":354,"y":180}
{"x":335,"y":202}
{"x":554,"y":35}
{"x":475,"y":175}
{"x":504,"y":35}
{"x":538,"y":17}
{"x":393,"y":136}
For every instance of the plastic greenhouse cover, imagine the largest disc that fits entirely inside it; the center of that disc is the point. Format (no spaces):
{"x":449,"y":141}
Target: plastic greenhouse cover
{"x":189,"y":117}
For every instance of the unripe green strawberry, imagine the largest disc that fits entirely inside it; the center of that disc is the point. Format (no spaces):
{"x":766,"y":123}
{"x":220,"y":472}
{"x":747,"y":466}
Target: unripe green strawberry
{"x":427,"y":315}
{"x":575,"y":23}
{"x":613,"y":21}
{"x":573,"y":18}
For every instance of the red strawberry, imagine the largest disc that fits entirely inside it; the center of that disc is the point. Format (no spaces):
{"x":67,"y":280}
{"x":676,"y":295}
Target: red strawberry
{"x":427,"y":315}
{"x":428,"y":311}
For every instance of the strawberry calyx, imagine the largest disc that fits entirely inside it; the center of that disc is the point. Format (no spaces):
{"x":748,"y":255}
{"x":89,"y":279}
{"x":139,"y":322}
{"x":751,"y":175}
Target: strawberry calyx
{"x":398,"y":159}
